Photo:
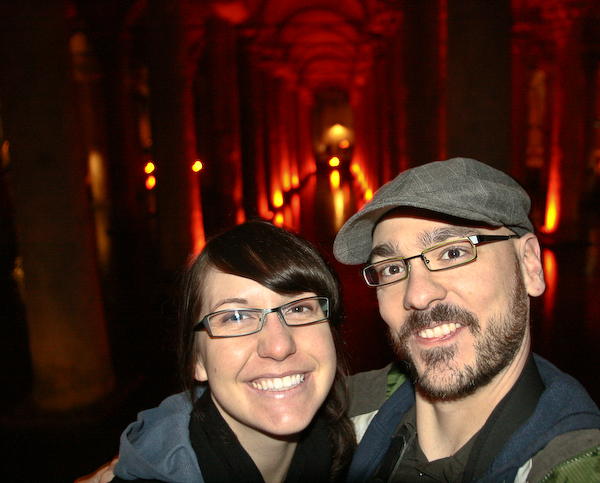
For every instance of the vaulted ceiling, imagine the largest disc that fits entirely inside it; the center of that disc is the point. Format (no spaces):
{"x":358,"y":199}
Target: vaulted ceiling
{"x":313,"y":43}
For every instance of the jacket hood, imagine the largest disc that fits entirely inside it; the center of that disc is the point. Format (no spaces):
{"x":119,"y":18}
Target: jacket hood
{"x":157,"y":446}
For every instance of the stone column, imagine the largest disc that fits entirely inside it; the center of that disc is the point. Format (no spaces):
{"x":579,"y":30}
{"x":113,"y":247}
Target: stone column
{"x":222,"y":187}
{"x":68,"y":340}
{"x":171,"y":72}
{"x":478,"y":85}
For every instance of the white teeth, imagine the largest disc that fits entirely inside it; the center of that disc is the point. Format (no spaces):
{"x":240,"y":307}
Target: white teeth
{"x":279,"y":383}
{"x":439,"y":330}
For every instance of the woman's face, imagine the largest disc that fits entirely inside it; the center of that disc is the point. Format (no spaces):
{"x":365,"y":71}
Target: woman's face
{"x":298,"y":363}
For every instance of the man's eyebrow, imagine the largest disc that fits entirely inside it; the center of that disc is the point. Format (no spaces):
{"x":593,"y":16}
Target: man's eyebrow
{"x":384,"y":250}
{"x":426,"y":239}
{"x":429,"y":238}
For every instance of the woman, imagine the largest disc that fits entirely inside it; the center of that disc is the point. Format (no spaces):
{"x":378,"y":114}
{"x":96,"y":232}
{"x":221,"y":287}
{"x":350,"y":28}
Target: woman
{"x":259,"y":355}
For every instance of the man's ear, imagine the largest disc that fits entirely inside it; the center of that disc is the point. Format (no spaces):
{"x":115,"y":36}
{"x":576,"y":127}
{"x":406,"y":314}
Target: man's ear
{"x":200,"y":371}
{"x":530,"y":257}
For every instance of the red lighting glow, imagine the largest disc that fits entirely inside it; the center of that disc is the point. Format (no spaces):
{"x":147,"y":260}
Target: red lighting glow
{"x":334,"y":162}
{"x":551,"y":278}
{"x":277,"y":199}
{"x":334,"y":179}
{"x":197,"y":166}
{"x":149,"y":168}
{"x":150,"y":182}
{"x":552,"y":201}
{"x":278,"y":220}
{"x":344,"y":144}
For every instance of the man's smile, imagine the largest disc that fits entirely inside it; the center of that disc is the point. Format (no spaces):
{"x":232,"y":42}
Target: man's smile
{"x":439,"y":330}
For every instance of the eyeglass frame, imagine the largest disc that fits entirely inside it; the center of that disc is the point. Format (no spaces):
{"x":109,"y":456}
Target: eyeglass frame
{"x":204,"y":324}
{"x":475,"y":240}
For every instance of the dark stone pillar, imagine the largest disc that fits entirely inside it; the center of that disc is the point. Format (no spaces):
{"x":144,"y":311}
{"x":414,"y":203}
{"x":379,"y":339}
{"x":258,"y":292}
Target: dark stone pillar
{"x":67,"y":334}
{"x":174,"y":138}
{"x":478,"y":87}
{"x":423,"y":68}
{"x":222,"y":177}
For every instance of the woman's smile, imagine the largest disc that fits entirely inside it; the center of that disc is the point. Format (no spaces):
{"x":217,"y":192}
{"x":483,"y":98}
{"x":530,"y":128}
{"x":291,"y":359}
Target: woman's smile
{"x":278,"y":383}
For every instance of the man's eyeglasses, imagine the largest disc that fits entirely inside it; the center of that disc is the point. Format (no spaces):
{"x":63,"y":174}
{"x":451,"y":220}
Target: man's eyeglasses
{"x":444,"y":256}
{"x":238,"y":322}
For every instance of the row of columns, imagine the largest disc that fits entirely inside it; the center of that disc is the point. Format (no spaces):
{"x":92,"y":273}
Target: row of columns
{"x":425,"y":97}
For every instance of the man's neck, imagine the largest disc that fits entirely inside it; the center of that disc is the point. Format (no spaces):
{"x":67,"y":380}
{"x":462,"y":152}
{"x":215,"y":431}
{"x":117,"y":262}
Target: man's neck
{"x":443,"y":427}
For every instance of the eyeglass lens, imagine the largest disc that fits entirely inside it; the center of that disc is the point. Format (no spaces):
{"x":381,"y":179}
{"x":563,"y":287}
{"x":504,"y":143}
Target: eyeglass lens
{"x":237,"y":322}
{"x":440,"y":257}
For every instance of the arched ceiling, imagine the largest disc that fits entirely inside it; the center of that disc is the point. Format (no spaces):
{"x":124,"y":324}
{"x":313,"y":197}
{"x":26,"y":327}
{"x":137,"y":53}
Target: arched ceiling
{"x":314,"y":43}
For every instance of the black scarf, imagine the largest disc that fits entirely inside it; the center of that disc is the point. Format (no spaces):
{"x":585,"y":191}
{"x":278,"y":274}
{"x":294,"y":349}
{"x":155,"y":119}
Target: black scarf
{"x":222,"y":458}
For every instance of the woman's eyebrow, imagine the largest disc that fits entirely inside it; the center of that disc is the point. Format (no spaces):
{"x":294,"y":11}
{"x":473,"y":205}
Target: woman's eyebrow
{"x":233,"y":300}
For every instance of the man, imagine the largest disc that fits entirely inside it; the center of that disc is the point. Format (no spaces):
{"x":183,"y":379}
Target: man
{"x":450,"y":250}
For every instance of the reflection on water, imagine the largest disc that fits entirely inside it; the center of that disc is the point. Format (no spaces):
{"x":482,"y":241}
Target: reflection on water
{"x":551,"y":276}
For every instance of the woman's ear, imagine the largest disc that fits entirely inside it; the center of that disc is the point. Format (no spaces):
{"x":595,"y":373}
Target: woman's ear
{"x":530,"y":257}
{"x":200,"y":370}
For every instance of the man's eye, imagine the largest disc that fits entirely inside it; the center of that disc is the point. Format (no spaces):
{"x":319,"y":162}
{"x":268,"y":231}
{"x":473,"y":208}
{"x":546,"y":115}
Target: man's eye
{"x":453,"y":253}
{"x":391,"y":270}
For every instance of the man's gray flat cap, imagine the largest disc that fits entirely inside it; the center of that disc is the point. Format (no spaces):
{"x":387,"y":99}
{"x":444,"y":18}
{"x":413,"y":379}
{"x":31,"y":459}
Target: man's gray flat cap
{"x":459,"y":187}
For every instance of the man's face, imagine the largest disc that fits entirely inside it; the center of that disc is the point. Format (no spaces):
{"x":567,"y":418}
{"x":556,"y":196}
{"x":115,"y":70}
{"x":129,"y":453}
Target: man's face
{"x":457,"y":329}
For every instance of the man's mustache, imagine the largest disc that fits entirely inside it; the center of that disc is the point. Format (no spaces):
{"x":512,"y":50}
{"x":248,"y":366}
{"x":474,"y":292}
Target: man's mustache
{"x":441,"y":313}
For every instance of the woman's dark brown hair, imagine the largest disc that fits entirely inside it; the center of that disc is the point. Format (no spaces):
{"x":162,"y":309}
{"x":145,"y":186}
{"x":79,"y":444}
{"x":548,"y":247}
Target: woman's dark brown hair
{"x":284,"y":263}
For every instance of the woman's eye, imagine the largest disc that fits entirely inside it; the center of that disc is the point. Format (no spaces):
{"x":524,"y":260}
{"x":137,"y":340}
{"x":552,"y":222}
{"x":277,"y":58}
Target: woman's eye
{"x":300,"y":309}
{"x":235,"y":317}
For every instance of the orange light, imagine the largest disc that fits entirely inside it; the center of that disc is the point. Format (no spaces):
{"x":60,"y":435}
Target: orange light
{"x":338,"y":208}
{"x":277,"y":199}
{"x":334,"y":179}
{"x":197,"y":166}
{"x":240,"y":216}
{"x":354,"y":168}
{"x":344,"y":144}
{"x":286,"y":179}
{"x":150,"y":182}
{"x":552,"y":209}
{"x":551,"y":277}
{"x":295,"y":206}
{"x":278,"y":219}
{"x":149,"y":168}
{"x":360,"y":178}
{"x":197,"y":219}
{"x":368,"y":194}
{"x":334,"y":162}
{"x":295,"y":181}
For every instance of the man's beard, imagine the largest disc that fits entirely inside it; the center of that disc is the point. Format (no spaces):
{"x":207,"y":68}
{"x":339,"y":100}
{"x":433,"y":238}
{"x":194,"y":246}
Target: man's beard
{"x":494,"y":349}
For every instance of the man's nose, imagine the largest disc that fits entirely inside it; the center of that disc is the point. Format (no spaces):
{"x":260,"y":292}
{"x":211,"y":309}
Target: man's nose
{"x":276,"y":340}
{"x":422,"y":287}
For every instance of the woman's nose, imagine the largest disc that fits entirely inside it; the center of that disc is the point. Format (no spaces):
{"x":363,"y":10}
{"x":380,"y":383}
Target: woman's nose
{"x":276,"y":340}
